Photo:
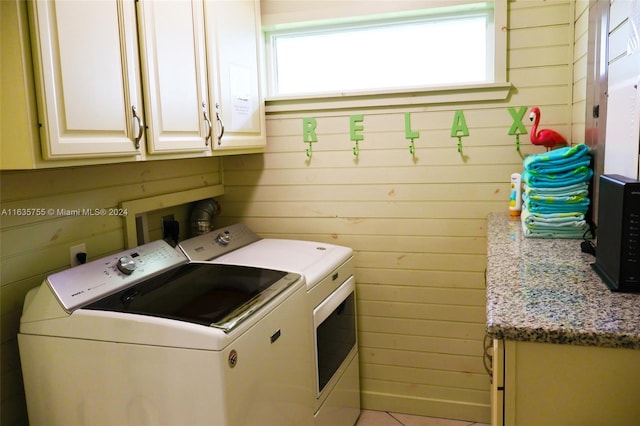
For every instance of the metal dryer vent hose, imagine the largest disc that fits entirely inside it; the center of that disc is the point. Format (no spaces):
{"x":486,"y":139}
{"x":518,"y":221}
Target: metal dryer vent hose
{"x":202,"y":216}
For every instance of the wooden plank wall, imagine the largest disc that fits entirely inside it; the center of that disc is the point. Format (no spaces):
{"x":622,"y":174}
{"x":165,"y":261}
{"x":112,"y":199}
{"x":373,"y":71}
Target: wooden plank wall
{"x":417,"y":224}
{"x":33,"y":247}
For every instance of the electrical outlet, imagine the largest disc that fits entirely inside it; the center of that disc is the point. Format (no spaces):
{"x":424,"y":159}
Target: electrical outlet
{"x":73,"y":251}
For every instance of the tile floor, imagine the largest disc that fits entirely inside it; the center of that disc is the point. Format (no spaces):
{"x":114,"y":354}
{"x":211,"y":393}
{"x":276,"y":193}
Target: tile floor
{"x":381,"y":418}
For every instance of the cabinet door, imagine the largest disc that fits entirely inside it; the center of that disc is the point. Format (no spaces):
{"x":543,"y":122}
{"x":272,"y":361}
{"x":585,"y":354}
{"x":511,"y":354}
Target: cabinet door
{"x":497,"y":383}
{"x":173,"y":70}
{"x":558,"y":385}
{"x":85,"y":56}
{"x":233,"y":50}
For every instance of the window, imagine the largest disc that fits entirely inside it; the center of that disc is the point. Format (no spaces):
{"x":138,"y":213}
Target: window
{"x":428,"y":48}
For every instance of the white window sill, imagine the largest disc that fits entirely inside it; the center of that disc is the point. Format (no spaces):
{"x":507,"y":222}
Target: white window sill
{"x":460,"y":94}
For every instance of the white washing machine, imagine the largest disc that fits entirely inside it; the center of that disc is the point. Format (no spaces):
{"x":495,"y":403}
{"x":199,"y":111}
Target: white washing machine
{"x":330,"y":305}
{"x":145,"y":337}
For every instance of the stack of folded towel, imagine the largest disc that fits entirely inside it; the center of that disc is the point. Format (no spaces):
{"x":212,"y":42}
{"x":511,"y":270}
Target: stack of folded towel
{"x":556,"y":193}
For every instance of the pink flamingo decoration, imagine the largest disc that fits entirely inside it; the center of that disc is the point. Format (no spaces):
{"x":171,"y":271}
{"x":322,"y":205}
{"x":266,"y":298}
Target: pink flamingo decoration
{"x":546,"y":137}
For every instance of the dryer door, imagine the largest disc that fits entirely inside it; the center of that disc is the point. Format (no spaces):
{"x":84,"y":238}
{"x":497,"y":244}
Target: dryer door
{"x":334,"y":321}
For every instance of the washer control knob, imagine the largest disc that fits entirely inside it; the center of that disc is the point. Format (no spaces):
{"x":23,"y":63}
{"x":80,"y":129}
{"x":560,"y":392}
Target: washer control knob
{"x":223,"y":238}
{"x":126,"y":265}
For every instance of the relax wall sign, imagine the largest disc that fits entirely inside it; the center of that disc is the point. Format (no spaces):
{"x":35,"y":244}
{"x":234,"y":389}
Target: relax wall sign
{"x":459,"y":129}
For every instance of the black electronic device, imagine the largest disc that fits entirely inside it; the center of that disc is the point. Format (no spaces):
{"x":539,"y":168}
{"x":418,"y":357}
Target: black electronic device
{"x":618,"y":244}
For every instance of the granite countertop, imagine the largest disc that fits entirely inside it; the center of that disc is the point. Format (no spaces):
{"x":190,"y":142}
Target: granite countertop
{"x":544,"y":290}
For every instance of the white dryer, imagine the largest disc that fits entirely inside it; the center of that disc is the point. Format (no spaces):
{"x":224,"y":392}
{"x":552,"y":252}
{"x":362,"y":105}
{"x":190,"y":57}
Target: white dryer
{"x":330,"y":305}
{"x":145,"y":337}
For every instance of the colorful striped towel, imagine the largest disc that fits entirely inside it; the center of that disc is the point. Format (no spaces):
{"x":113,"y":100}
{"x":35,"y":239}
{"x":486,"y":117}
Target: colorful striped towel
{"x":555,"y":204}
{"x":580,"y":189}
{"x":536,"y":207}
{"x":552,"y":220}
{"x":576,"y":233}
{"x":555,"y":199}
{"x":559,"y":160}
{"x":560,"y":168}
{"x":557,"y":225}
{"x":556,"y":180}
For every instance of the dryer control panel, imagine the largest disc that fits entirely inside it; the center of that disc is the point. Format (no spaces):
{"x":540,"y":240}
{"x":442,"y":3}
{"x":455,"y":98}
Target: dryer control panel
{"x":78,"y":286}
{"x":216,"y":243}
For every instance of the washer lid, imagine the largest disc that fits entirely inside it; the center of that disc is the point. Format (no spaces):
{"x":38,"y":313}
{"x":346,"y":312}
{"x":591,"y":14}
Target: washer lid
{"x":220,"y":296}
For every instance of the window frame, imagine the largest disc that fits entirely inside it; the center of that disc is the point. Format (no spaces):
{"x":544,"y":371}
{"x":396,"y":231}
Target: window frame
{"x":476,"y":92}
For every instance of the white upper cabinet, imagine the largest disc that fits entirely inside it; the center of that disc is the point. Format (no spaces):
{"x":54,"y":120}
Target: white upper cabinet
{"x":91,"y":99}
{"x":174,"y":75}
{"x":86,"y":64}
{"x":125,"y":80}
{"x":234,"y":54}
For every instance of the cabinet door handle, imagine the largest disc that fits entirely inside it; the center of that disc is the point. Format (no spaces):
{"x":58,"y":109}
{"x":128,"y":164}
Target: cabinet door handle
{"x":208,"y":121}
{"x":220,"y":123}
{"x":140,"y":126}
